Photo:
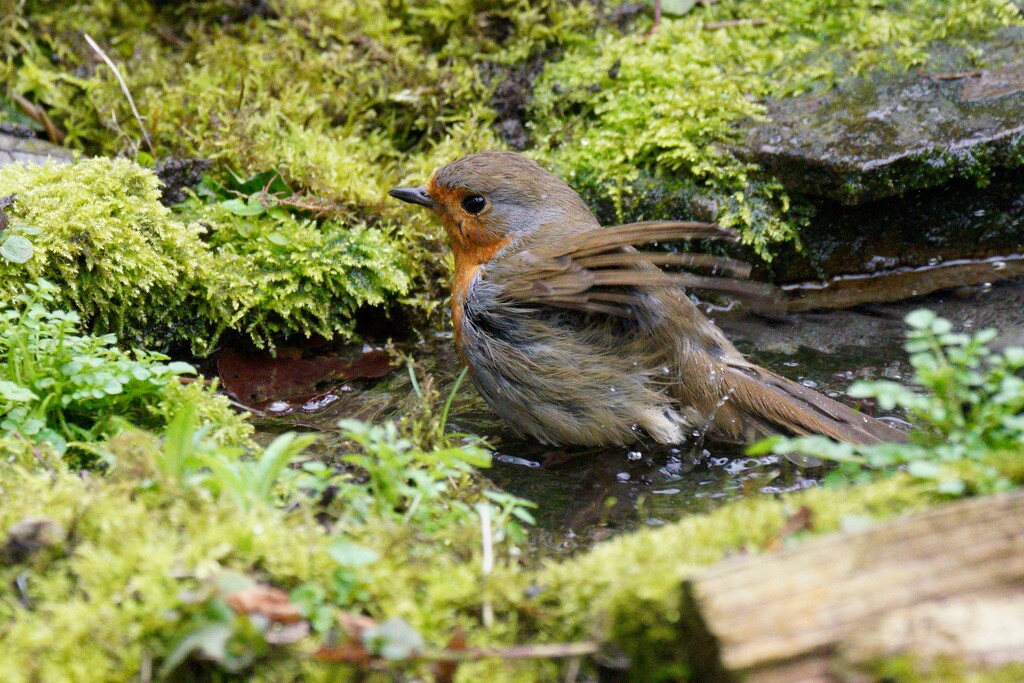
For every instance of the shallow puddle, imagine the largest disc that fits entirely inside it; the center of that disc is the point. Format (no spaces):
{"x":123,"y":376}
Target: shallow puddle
{"x":585,"y":495}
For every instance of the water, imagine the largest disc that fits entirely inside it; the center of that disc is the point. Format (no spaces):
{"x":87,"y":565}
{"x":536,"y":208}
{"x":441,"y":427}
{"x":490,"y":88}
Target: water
{"x":585,"y":495}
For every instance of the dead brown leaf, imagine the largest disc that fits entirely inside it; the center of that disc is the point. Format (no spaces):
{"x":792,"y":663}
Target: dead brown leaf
{"x":801,"y":520}
{"x":272,"y":603}
{"x":444,"y":671}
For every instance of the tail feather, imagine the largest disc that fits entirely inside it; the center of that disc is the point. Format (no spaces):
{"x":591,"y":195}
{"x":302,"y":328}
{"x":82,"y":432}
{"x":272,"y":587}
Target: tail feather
{"x":782,"y":405}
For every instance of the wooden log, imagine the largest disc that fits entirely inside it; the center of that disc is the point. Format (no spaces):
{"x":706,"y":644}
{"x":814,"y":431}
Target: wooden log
{"x":948,"y":581}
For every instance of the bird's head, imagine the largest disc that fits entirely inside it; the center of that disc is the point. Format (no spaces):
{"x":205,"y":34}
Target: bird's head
{"x":489,"y":202}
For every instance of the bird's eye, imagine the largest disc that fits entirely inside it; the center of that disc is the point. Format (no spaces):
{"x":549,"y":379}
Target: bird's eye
{"x":474,"y":204}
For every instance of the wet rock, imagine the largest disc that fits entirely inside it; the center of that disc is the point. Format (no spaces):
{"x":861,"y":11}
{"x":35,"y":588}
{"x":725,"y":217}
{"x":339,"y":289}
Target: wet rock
{"x":177,"y":175}
{"x":16,"y":148}
{"x":902,"y":136}
{"x":923,"y":229}
{"x":889,"y":133}
{"x":28,"y":537}
{"x":910,"y":182}
{"x":512,"y":98}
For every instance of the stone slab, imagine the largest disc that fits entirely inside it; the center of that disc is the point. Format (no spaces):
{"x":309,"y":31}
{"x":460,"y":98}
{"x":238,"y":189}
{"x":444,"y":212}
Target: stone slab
{"x":18,"y":149}
{"x":880,"y":136}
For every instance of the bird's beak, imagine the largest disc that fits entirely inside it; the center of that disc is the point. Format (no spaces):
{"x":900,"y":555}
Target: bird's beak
{"x":414,"y":195}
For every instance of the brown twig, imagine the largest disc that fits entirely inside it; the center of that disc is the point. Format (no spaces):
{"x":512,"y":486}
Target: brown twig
{"x":38,"y":114}
{"x":315,"y":206}
{"x":957,"y":76}
{"x":124,"y":89}
{"x":542,"y":651}
{"x":734,"y":23}
{"x":657,"y":17}
{"x":471,"y":654}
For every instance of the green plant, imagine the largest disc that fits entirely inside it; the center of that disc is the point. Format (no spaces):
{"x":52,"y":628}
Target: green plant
{"x":967,"y":413}
{"x":405,"y":481}
{"x":284,"y":263}
{"x":15,"y":246}
{"x":190,"y":458}
{"x":248,"y":256}
{"x":60,"y":386}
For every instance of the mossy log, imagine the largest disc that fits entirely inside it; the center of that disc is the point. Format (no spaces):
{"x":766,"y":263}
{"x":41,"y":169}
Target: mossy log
{"x":946,"y":583}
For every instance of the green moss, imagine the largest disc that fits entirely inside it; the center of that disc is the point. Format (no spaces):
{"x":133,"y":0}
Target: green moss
{"x":278,"y":274}
{"x":669,"y":104}
{"x":133,"y":268}
{"x":103,"y":607}
{"x":97,"y":609}
{"x":943,"y":670}
{"x":346,"y":99}
{"x":116,"y":254}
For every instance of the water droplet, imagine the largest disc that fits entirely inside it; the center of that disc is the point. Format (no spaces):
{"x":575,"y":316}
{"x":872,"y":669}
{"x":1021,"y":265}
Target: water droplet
{"x":999,"y":265}
{"x":513,"y":460}
{"x":634,"y":455}
{"x":809,"y":383}
{"x":622,"y":476}
{"x":279,"y":408}
{"x":316,"y":404}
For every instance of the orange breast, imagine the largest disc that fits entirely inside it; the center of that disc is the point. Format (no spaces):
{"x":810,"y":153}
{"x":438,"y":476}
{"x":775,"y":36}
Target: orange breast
{"x":472,"y":244}
{"x":468,"y":263}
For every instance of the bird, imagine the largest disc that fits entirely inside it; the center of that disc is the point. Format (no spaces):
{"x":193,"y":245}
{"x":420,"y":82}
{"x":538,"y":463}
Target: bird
{"x":574,"y":336}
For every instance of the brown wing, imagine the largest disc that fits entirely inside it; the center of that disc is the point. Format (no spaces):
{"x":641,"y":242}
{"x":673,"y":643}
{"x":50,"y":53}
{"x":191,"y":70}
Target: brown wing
{"x":598,"y":271}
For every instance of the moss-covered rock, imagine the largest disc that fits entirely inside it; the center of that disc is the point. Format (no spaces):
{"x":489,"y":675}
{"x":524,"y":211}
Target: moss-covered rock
{"x":672,"y":103}
{"x":157,"y":280}
{"x":343,"y":99}
{"x":117,"y":254}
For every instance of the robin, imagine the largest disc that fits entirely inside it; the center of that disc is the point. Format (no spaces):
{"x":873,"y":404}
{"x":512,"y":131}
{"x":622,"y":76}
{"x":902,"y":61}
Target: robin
{"x":574,"y":336}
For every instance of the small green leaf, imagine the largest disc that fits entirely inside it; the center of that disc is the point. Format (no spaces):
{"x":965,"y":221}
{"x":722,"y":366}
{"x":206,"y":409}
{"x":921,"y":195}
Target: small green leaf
{"x":9,"y":391}
{"x":677,"y":7}
{"x":26,"y":229}
{"x":952,"y":487}
{"x":920,"y":319}
{"x":211,"y":640}
{"x":240,"y":207}
{"x":924,"y":469}
{"x":181,"y":368}
{"x":393,"y":639}
{"x":348,"y":554}
{"x":16,"y":249}
{"x":32,"y":426}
